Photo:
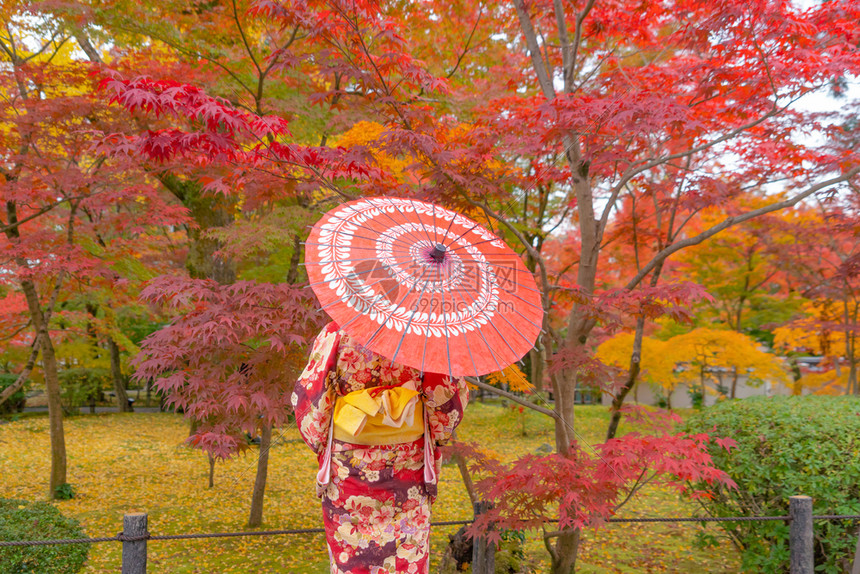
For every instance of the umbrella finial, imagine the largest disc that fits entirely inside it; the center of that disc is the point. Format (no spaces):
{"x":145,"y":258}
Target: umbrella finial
{"x":438,"y":253}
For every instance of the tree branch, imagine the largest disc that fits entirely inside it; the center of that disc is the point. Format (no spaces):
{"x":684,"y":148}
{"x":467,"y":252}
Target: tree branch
{"x":25,"y":374}
{"x":531,"y":250}
{"x":466,"y":46}
{"x":244,"y":39}
{"x":577,"y":36}
{"x":512,"y":397}
{"x":632,"y":171}
{"x":534,"y":51}
{"x":564,"y":40}
{"x":42,"y":211}
{"x":37,"y":343}
{"x":87,"y":47}
{"x":734,"y":220}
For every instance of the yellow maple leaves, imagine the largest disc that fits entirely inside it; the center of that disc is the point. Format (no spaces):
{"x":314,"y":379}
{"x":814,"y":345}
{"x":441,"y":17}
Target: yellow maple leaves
{"x":830,"y":382}
{"x":690,"y":356}
{"x":810,"y":334}
{"x":368,"y":135}
{"x":371,"y":135}
{"x":511,"y":376}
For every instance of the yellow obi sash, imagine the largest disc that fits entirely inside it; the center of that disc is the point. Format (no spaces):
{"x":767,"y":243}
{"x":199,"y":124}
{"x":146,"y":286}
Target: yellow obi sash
{"x":379,"y":416}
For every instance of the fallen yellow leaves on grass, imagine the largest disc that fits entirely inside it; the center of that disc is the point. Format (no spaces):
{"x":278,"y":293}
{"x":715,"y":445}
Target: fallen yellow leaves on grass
{"x":138,"y":462}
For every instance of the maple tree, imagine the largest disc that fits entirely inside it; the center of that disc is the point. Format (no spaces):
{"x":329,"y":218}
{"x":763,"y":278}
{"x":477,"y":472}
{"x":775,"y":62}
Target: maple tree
{"x":230,"y":356}
{"x":814,"y":334}
{"x":739,"y":267}
{"x":639,"y":104}
{"x":63,"y":201}
{"x":699,"y":357}
{"x":712,"y":353}
{"x":592,"y":481}
{"x":244,"y":225}
{"x":609,"y":124}
{"x":822,"y":262}
{"x":175,"y":41}
{"x":657,"y":362}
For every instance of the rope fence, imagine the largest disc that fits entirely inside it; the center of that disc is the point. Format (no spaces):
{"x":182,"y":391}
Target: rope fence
{"x":736,"y":518}
{"x":135,"y":536}
{"x":122,"y":538}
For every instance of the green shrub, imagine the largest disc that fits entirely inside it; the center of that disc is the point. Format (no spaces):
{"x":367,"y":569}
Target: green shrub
{"x":22,"y":520}
{"x":83,"y":386}
{"x":16,"y":402}
{"x":787,"y":446}
{"x":64,"y":492}
{"x":696,"y":398}
{"x":510,"y":555}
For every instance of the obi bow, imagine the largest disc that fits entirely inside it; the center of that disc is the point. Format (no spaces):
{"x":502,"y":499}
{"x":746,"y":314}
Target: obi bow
{"x":379,"y":416}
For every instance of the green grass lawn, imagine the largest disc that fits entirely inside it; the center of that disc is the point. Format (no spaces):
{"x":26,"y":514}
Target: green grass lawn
{"x":133,"y":462}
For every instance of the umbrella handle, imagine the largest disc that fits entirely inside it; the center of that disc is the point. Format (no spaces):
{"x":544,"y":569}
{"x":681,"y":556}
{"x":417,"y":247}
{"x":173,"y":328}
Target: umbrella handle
{"x":429,"y":458}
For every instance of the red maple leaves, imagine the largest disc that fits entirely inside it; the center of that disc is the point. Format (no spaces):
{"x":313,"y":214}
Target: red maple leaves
{"x":231,"y":355}
{"x":593,"y":482}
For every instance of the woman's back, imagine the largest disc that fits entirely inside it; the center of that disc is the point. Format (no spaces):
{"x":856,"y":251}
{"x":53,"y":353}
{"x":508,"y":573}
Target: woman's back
{"x":375,"y":425}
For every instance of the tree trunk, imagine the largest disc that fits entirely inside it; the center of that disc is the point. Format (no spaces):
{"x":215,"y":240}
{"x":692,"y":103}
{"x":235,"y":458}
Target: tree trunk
{"x":211,"y":470}
{"x":467,"y":478}
{"x":564,"y":391}
{"x":116,"y":375}
{"x":566,"y":552}
{"x":209,"y":212}
{"x":464,"y":473}
{"x":40,"y":319}
{"x":852,"y":377}
{"x":256,"y":516}
{"x":851,"y":348}
{"x":635,"y":365}
{"x":633,"y":372}
{"x":566,"y":548}
{"x":295,"y":260}
{"x":734,"y":381}
{"x":52,"y":389}
{"x":55,"y":416}
{"x":537,"y":366}
{"x":796,"y":387}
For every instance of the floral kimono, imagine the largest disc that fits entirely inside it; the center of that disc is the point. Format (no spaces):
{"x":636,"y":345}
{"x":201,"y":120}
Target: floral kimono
{"x":374,"y":425}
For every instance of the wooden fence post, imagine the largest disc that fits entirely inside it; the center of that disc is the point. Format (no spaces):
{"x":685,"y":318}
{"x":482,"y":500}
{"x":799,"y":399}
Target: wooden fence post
{"x":856,"y":568}
{"x":134,"y":553}
{"x":801,"y":535}
{"x":483,"y":551}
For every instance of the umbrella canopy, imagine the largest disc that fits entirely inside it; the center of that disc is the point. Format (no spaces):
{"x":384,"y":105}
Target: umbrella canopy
{"x":423,"y":286}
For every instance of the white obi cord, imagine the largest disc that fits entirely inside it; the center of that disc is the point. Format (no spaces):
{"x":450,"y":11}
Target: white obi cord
{"x":324,"y":474}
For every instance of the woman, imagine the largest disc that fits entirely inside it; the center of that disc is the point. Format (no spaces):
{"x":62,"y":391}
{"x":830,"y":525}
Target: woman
{"x":374,"y":425}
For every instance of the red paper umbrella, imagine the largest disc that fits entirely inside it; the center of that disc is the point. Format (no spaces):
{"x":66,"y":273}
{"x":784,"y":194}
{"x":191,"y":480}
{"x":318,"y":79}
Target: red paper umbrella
{"x":423,"y":286}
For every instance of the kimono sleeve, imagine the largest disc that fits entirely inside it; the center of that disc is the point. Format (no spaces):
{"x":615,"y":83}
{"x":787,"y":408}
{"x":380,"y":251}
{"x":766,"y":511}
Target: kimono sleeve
{"x":445,"y":398}
{"x":313,"y":396}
